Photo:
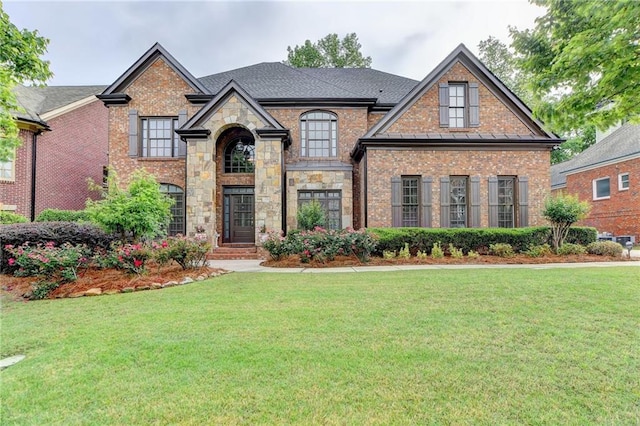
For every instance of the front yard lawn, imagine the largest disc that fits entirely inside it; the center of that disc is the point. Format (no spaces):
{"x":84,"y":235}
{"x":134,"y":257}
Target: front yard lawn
{"x":515,"y":346}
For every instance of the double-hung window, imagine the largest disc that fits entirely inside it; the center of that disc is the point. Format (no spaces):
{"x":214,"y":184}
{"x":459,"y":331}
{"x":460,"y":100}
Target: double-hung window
{"x":456,"y":106}
{"x":601,"y":188}
{"x":159,"y":138}
{"x":459,"y":201}
{"x":7,"y":170}
{"x":319,"y":134}
{"x":506,"y":201}
{"x":623,"y":181}
{"x":410,"y":201}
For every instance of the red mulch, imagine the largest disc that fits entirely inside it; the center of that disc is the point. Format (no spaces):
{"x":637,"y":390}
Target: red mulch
{"x":107,"y":280}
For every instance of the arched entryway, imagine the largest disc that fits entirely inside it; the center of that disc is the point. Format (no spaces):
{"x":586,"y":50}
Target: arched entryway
{"x":236,"y":200}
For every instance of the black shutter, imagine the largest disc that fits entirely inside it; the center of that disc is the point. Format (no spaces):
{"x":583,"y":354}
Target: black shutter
{"x":444,"y":104}
{"x":493,"y":202}
{"x":396,"y":202}
{"x":182,"y":145}
{"x":474,"y":105}
{"x":474,"y":217}
{"x":426,"y":202}
{"x":133,"y":133}
{"x":523,"y":200}
{"x":445,"y":209}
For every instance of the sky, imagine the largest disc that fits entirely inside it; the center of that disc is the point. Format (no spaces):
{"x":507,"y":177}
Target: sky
{"x":95,"y":42}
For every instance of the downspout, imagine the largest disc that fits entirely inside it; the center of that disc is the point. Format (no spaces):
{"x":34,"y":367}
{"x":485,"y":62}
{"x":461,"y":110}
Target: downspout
{"x":34,"y":158}
{"x":365,"y":190}
{"x":283,"y":207}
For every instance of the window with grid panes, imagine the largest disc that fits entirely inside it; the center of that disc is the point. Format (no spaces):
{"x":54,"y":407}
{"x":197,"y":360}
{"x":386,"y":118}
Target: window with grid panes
{"x":410,"y":201}
{"x":456,"y":105}
{"x":458,"y":202}
{"x":319,"y":134}
{"x":239,"y":156}
{"x":176,"y":225}
{"x":331,"y":203}
{"x":506,"y":201}
{"x":159,"y":138}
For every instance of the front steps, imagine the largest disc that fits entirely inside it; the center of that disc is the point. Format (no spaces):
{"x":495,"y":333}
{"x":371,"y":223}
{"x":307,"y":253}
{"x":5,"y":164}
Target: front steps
{"x":234,"y":252}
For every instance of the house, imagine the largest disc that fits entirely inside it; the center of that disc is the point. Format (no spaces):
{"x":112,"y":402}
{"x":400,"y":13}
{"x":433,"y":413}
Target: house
{"x":63,"y":130}
{"x":241,"y":150}
{"x":607,"y":176}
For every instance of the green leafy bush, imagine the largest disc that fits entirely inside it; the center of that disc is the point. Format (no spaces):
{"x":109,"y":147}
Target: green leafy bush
{"x":57,"y":232}
{"x":501,"y":250}
{"x":139,"y":211}
{"x":55,"y":215}
{"x":321,"y":244}
{"x":605,"y":248}
{"x":538,"y":251}
{"x":456,"y":253}
{"x":389,"y":254}
{"x":568,"y":249}
{"x":130,"y":257}
{"x":404,"y":252}
{"x":7,"y":218}
{"x":562,"y":211}
{"x":52,"y":265}
{"x":311,"y":215}
{"x":421,"y":254}
{"x":436,"y":251}
{"x":473,"y":254}
{"x":189,"y":253}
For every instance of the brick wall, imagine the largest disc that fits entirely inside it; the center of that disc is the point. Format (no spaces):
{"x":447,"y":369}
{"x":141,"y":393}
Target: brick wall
{"x":75,"y":149}
{"x":620,"y":214}
{"x":385,"y":164}
{"x":423,"y":116}
{"x":158,"y":91}
{"x":17,"y":192}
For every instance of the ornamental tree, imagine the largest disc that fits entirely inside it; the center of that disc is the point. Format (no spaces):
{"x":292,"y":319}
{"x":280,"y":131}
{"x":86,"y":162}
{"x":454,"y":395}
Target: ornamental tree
{"x":562,"y":211}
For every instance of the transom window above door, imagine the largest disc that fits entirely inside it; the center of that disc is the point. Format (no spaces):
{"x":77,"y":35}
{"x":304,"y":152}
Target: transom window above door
{"x":319,"y":134}
{"x":239,"y":156}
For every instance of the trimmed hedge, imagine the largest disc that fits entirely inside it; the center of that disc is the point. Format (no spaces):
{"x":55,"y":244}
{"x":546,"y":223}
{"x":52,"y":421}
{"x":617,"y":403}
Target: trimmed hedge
{"x":55,"y":215}
{"x":11,"y":217}
{"x":58,"y":232}
{"x":477,"y":239}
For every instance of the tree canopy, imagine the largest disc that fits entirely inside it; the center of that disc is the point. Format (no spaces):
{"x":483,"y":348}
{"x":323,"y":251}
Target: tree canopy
{"x":329,"y":52}
{"x":584,"y":61}
{"x":20,"y":62}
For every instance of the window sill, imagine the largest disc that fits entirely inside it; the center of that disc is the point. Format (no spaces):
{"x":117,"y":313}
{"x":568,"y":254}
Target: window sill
{"x":601,"y":198}
{"x":159,"y":158}
{"x":622,"y":189}
{"x":10,"y":180}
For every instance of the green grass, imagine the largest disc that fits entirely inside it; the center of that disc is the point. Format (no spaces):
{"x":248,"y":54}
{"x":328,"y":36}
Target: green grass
{"x":499,"y":346}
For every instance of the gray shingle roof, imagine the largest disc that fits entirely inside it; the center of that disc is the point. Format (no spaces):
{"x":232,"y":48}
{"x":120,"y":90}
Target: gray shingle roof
{"x":39,"y":100}
{"x":619,"y":145}
{"x":274,"y":80}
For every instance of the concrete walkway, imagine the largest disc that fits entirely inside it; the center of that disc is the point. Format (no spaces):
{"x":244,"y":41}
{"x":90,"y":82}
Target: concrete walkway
{"x":254,"y":266}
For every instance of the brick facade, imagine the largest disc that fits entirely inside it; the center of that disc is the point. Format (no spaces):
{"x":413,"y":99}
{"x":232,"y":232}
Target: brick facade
{"x":620,"y":213}
{"x":15,"y":194}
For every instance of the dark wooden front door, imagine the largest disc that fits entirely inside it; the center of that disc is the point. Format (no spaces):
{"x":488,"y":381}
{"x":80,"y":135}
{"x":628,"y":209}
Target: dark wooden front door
{"x":239,"y":215}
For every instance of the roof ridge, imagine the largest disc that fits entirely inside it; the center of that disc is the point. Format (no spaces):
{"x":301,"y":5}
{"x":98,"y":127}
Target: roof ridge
{"x":325,"y":82}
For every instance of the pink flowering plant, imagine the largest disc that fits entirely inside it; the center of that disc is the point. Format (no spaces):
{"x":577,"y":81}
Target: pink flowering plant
{"x":187,"y":252}
{"x":52,"y":265}
{"x":130,"y":257}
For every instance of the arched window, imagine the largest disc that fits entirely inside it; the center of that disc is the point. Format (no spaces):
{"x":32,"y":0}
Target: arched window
{"x":319,"y":134}
{"x":239,"y":156}
{"x":176,"y":226}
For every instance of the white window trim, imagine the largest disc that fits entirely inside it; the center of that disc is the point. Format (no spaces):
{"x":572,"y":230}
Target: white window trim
{"x":620,"y":188}
{"x":595,"y":193}
{"x":12,"y":178}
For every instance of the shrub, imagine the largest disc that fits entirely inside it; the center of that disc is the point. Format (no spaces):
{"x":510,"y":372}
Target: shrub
{"x":562,"y":211}
{"x":436,"y":251}
{"x":501,"y":250}
{"x":310,"y":215}
{"x":456,"y":253}
{"x":54,"y":215}
{"x":130,"y":257}
{"x":189,"y":253}
{"x":582,"y":235}
{"x":404,"y":252}
{"x":568,"y":249}
{"x":7,"y":218}
{"x":57,"y":232}
{"x":139,"y":211}
{"x":473,"y":254}
{"x":52,"y":265}
{"x":387,"y":254}
{"x":321,"y":244}
{"x":605,"y":248}
{"x":538,"y":251}
{"x":421,"y":254}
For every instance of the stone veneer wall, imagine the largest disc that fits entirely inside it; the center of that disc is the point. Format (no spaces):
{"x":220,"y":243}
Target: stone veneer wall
{"x":268,"y":189}
{"x":201,"y":188}
{"x":319,"y":180}
{"x":384,"y":164}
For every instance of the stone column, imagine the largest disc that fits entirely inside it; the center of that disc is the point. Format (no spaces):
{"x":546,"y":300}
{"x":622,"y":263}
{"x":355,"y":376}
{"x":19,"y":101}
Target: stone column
{"x":268,"y":185}
{"x":201,"y":187}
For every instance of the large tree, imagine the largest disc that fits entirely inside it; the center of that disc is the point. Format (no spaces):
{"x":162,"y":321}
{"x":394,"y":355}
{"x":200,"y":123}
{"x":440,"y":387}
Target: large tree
{"x":584,"y":59}
{"x":329,"y":52}
{"x":502,"y":61}
{"x":20,"y":62}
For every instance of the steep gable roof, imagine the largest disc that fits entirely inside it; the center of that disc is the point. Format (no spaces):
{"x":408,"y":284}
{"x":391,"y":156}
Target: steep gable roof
{"x":193,"y":127}
{"x":463,"y":55}
{"x":149,"y":57}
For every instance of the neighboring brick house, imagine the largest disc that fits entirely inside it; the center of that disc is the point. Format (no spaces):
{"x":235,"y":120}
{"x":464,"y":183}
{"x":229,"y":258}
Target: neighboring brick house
{"x":241,"y":150}
{"x":64,"y":142}
{"x":607,"y":175}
